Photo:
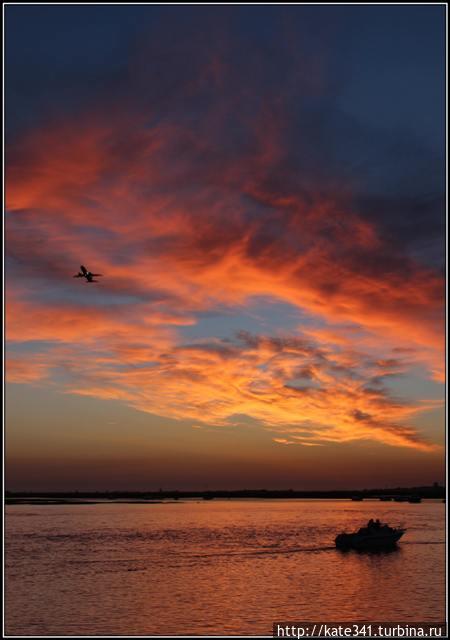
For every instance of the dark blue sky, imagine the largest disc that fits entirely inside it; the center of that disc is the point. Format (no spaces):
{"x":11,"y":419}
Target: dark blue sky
{"x":389,"y":59}
{"x":373,"y":105}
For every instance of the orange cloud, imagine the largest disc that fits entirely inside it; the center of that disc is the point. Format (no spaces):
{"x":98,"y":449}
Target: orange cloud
{"x":180,"y":228}
{"x":289,"y":384}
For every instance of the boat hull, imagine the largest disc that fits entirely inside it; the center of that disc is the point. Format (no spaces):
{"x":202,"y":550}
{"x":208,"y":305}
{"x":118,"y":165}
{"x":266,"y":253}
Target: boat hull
{"x":367,"y":542}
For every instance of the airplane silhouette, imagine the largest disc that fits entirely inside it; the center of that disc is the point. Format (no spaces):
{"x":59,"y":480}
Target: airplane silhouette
{"x":84,"y":273}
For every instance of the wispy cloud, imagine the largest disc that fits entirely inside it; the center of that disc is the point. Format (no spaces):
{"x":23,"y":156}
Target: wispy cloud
{"x":188,"y":209}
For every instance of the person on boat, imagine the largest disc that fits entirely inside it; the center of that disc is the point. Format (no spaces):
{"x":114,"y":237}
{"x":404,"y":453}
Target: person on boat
{"x":372,"y":526}
{"x":364,"y":531}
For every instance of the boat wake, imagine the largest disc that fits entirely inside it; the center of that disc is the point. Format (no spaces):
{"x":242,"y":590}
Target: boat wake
{"x":265,"y":552}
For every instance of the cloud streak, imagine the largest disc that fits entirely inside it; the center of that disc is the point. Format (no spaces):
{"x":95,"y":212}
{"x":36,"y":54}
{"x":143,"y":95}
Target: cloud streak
{"x":196,"y":199}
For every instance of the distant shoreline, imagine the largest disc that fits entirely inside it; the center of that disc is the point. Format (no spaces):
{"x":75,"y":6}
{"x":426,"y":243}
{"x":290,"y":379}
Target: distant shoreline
{"x":160,"y":497}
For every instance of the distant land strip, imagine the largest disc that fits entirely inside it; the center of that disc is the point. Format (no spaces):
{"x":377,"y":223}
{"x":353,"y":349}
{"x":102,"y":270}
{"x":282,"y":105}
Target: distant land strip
{"x":157,"y":497}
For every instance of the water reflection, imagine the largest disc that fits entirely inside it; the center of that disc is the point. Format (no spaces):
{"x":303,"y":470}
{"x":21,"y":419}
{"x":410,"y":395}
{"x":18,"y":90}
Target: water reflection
{"x":215,"y":567}
{"x":371,"y":552}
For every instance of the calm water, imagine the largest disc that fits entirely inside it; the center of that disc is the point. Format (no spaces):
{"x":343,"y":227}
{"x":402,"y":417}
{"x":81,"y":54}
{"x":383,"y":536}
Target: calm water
{"x":217,"y":567}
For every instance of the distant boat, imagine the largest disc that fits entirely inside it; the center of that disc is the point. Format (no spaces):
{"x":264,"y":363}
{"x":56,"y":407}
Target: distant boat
{"x":357,"y":498}
{"x":385,"y":498}
{"x":414,"y":499}
{"x":375,"y":536}
{"x":401,"y":499}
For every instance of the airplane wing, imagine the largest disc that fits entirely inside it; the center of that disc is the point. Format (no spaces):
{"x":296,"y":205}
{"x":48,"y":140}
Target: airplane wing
{"x":84,"y":273}
{"x":90,"y":277}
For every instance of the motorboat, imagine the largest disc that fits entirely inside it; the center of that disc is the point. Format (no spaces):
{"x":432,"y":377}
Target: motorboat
{"x":375,"y":535}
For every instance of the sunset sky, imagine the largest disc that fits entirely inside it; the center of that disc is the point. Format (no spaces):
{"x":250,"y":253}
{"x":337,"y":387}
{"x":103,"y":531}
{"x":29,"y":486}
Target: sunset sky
{"x":262,"y":188}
